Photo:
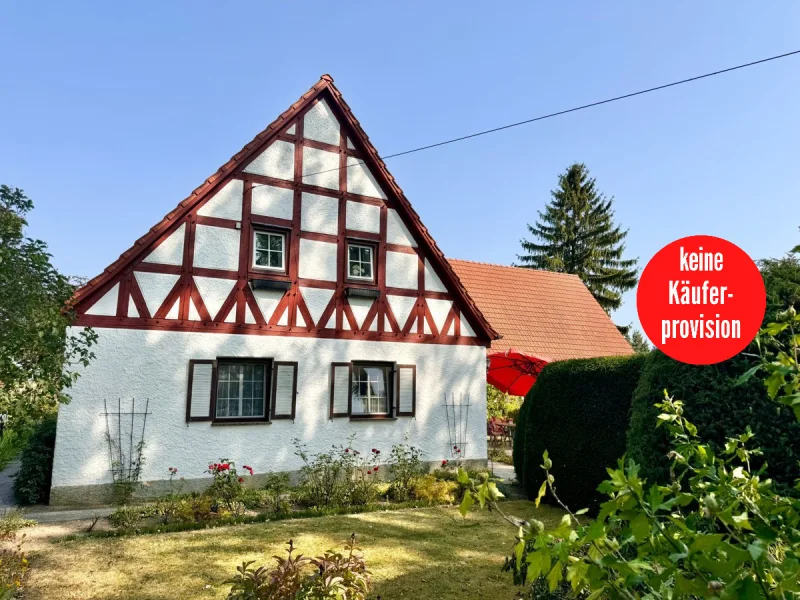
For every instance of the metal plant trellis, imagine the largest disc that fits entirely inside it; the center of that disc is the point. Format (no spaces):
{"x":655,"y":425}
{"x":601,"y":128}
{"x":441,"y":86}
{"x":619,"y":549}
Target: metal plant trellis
{"x":457,"y":413}
{"x":122,"y":428}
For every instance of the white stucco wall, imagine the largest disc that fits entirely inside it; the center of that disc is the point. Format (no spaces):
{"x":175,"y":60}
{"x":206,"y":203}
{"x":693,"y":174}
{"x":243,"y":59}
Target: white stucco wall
{"x":216,"y":247}
{"x":319,"y":214}
{"x":363,"y":217}
{"x":317,"y":260}
{"x":154,"y":364}
{"x":396,"y":231}
{"x":402,"y":270}
{"x":226,"y":203}
{"x":276,"y":161}
{"x":320,"y":124}
{"x":320,"y":168}
{"x":271,"y":201}
{"x":107,"y":304}
{"x":170,"y":251}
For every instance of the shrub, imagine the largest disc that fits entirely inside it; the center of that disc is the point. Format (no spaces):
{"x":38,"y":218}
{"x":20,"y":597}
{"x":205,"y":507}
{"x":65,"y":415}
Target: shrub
{"x":32,"y":483}
{"x":579,"y":413}
{"x":332,"y":575}
{"x":127,"y":517}
{"x":434,"y":491}
{"x":11,"y":444}
{"x":406,"y":467}
{"x":10,"y":524}
{"x":341,"y":476}
{"x":227,"y":486}
{"x":276,"y":491}
{"x":500,"y":405}
{"x":716,"y":406}
{"x":518,"y":448}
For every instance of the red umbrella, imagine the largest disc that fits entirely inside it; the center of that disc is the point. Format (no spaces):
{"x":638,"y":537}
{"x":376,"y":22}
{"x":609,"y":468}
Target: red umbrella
{"x":514,"y":373}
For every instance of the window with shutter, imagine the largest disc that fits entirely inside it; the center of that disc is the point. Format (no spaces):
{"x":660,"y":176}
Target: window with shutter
{"x":200,"y":390}
{"x":341,"y":377}
{"x":284,"y":390}
{"x":406,"y":390}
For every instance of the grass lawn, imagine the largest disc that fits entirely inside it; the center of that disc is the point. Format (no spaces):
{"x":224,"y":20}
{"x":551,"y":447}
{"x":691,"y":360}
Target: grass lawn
{"x":417,"y":553}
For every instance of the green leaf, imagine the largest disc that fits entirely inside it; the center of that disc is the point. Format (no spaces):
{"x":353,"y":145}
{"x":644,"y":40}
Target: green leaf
{"x":741,"y":521}
{"x":747,"y":375}
{"x":706,"y":542}
{"x":555,"y":576}
{"x":640,"y":527}
{"x":466,"y":503}
{"x":538,"y":563}
{"x":518,"y":550}
{"x":582,"y":511}
{"x":542,"y":492}
{"x":595,"y":531}
{"x":756,"y":550}
{"x":463,"y":478}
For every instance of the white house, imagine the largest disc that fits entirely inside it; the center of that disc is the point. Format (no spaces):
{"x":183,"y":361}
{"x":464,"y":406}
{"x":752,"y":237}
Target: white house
{"x":295,"y":294}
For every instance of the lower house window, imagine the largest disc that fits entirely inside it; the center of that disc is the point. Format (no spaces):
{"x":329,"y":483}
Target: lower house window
{"x":371,"y":389}
{"x":269,"y":251}
{"x":235,"y":390}
{"x":241,"y":390}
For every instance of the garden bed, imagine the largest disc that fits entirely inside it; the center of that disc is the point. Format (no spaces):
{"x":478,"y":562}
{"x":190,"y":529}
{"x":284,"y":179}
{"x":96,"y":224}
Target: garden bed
{"x":413,"y":553}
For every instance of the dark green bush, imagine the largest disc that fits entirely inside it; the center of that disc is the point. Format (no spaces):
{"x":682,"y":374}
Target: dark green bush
{"x":32,"y":483}
{"x":718,"y":408}
{"x":578,"y":412}
{"x":518,"y":450}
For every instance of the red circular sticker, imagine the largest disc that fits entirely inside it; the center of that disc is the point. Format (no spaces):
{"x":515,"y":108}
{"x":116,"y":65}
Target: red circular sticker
{"x":701,"y":300}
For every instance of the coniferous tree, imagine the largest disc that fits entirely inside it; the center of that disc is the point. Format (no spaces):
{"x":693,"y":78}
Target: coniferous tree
{"x":576,"y":234}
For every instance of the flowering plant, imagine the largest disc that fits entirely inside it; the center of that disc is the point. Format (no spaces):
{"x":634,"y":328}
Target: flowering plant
{"x":227,"y":485}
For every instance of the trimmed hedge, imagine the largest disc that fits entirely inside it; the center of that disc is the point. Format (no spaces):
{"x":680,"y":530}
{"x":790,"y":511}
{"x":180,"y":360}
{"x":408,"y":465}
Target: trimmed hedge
{"x":518,"y":450}
{"x":718,"y":408}
{"x":32,"y":483}
{"x":579,"y":411}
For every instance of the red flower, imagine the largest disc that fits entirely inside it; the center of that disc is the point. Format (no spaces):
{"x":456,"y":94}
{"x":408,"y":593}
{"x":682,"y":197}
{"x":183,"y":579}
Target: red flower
{"x":347,"y":450}
{"x":241,"y":479}
{"x":455,"y":447}
{"x":250,"y":469}
{"x":444,"y":463}
{"x":375,"y":469}
{"x":369,"y":472}
{"x":374,"y":450}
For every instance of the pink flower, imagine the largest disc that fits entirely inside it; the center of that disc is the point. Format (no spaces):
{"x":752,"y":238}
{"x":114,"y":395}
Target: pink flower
{"x":250,"y":469}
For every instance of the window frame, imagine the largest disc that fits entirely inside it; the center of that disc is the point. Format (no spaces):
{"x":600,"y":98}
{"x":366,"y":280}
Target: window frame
{"x":268,"y":366}
{"x":390,"y":390}
{"x":374,"y":263}
{"x":284,"y":269}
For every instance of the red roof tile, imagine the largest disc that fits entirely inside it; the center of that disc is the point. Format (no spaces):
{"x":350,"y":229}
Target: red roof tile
{"x":546,"y":314}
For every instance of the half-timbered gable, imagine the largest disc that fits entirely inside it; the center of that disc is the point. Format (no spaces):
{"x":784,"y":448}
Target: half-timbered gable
{"x":296,"y":288}
{"x":302,"y":233}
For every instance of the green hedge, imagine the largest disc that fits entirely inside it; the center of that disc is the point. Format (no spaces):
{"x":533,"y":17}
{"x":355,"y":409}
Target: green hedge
{"x":518,"y":450}
{"x":718,"y":408}
{"x":32,"y":483}
{"x":579,"y":411}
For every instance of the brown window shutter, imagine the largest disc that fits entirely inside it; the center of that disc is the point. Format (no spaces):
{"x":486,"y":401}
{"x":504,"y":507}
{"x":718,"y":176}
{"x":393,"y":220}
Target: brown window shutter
{"x":406,"y":390}
{"x":284,"y":390}
{"x":200,"y":391}
{"x":341,"y":381}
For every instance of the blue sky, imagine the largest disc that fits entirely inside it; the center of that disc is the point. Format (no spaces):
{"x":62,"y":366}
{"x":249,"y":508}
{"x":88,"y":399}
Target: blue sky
{"x":113,"y":112}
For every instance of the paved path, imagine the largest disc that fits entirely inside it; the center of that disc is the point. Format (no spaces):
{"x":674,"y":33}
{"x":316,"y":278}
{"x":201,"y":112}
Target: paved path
{"x":504,"y":472}
{"x":7,"y":500}
{"x":62,"y":516}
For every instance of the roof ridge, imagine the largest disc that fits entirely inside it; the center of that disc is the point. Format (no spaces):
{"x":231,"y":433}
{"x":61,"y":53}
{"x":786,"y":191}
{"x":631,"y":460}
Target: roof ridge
{"x":515,"y":267}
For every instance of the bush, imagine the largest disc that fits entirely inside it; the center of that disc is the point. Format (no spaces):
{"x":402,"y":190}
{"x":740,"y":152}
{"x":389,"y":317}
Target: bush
{"x":579,"y":413}
{"x":32,"y":483}
{"x":332,"y":575}
{"x":518,"y":449}
{"x":718,"y":407}
{"x":342,"y":476}
{"x":406,"y":468}
{"x":434,"y":491}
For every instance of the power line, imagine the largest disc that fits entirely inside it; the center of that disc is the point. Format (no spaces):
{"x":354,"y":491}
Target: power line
{"x":569,"y":110}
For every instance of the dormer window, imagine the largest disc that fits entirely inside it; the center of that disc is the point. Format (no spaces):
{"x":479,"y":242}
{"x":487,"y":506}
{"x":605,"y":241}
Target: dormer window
{"x":269,"y":250}
{"x":360,"y":262}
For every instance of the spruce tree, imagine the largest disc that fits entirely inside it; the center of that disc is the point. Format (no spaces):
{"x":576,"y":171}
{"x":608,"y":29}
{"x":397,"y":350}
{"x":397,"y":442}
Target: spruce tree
{"x":576,"y":234}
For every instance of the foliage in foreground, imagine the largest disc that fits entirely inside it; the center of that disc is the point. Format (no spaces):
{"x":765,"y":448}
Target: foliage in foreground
{"x":718,"y":529}
{"x":32,"y":483}
{"x":342,"y":575}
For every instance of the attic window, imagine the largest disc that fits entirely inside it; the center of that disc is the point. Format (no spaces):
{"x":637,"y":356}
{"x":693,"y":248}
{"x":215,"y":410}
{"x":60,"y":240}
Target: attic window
{"x":360,"y":262}
{"x":269,"y":250}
